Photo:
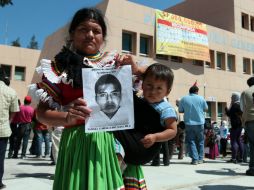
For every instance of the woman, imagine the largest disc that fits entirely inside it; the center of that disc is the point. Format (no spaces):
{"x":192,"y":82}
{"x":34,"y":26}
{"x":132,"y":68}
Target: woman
{"x":234,"y":113}
{"x":85,"y":161}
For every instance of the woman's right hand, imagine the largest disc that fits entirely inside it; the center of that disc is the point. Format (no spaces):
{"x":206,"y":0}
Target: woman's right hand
{"x":78,"y":112}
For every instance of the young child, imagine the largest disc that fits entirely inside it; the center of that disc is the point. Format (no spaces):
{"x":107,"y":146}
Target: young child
{"x":223,"y":138}
{"x":157,"y":84}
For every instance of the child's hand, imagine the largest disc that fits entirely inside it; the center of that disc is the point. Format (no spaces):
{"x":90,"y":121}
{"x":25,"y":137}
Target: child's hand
{"x":149,"y":140}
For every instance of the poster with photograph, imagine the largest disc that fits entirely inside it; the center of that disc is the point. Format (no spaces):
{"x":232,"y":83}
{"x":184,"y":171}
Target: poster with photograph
{"x":108,"y":92}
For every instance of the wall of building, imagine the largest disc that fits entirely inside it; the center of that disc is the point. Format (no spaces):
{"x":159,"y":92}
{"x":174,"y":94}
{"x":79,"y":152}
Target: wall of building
{"x":215,"y":84}
{"x":22,"y":57}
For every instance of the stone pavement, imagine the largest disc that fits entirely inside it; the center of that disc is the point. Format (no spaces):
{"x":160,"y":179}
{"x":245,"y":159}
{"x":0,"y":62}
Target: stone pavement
{"x":36,"y":174}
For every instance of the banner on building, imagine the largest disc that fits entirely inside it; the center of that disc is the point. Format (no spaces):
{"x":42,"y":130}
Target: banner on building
{"x":180,"y":36}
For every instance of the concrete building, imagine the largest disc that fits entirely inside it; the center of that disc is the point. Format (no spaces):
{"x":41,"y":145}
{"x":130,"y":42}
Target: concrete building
{"x":230,"y":25}
{"x":19,"y":64}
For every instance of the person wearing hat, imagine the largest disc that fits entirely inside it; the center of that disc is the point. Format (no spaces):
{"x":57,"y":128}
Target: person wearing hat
{"x":8,"y":107}
{"x":25,"y":117}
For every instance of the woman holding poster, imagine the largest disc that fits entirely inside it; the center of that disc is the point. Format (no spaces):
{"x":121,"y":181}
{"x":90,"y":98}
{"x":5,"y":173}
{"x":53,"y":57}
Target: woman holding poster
{"x":85,"y":160}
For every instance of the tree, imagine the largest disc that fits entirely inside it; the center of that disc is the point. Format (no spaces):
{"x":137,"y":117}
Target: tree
{"x":33,"y":43}
{"x":16,"y":43}
{"x":5,"y":2}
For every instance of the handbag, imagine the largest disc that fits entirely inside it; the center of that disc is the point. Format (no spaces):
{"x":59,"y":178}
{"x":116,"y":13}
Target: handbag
{"x":147,"y":121}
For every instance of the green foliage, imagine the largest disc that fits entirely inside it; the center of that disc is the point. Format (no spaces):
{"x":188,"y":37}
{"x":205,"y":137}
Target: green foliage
{"x":33,"y":43}
{"x":5,"y":2}
{"x":16,"y":43}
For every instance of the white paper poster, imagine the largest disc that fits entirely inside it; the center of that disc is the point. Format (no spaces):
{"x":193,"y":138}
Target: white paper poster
{"x":108,"y":92}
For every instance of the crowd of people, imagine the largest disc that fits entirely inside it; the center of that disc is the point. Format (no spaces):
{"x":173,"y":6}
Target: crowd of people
{"x":97,"y":160}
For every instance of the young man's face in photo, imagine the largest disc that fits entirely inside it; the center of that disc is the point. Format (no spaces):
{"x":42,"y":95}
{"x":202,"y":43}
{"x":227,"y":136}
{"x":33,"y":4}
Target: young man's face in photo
{"x":108,"y":98}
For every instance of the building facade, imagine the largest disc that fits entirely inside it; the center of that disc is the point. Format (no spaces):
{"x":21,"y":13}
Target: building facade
{"x":230,"y":25}
{"x":19,"y":64}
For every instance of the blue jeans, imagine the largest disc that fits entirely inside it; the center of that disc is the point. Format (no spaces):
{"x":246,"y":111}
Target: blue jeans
{"x":195,"y":141}
{"x":42,"y":136}
{"x":3,"y":145}
{"x":249,"y":128}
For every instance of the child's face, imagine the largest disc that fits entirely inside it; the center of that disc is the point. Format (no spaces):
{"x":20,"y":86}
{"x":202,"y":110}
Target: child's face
{"x":154,"y":90}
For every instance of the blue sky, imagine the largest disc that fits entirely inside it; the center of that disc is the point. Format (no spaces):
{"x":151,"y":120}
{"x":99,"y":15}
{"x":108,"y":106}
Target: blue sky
{"x":42,"y":17}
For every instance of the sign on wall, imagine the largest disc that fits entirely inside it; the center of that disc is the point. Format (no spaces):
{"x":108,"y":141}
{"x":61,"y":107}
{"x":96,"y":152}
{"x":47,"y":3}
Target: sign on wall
{"x":180,"y":36}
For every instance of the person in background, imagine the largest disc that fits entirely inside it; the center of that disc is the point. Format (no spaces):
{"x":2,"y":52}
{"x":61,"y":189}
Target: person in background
{"x":25,"y":117}
{"x":14,"y":133}
{"x":194,"y":106}
{"x":42,"y":134}
{"x":223,"y":138}
{"x":246,"y":104}
{"x":235,"y":115}
{"x":8,"y":108}
{"x":85,"y":160}
{"x":157,"y":84}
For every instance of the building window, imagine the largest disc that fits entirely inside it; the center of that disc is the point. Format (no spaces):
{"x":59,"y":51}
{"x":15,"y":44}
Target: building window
{"x":220,"y":60}
{"x":20,"y":73}
{"x":128,"y":42}
{"x":252,"y":66}
{"x":198,"y":62}
{"x":245,"y":21}
{"x":144,"y":46}
{"x":220,"y":109}
{"x":176,"y":59}
{"x":211,"y":63}
{"x":162,"y":57}
{"x":231,"y":63}
{"x":252,"y":24}
{"x":246,"y":65}
{"x":208,"y":113}
{"x":7,"y":70}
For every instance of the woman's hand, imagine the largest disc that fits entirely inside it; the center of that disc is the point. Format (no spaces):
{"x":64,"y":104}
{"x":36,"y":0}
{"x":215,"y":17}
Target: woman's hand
{"x":149,"y":140}
{"x":128,"y":59}
{"x":78,"y":112}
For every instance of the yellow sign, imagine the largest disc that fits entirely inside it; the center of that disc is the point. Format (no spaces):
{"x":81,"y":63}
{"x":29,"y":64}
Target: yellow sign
{"x":179,"y":36}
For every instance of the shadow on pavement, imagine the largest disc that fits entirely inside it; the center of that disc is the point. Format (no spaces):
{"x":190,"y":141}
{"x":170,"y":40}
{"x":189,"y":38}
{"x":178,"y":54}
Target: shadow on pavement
{"x":35,"y":175}
{"x":224,"y":187}
{"x":34,"y":163}
{"x":223,"y":172}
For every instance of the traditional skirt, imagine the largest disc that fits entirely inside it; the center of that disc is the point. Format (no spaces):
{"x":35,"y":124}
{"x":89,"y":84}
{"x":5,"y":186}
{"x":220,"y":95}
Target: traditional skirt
{"x":87,"y":161}
{"x":134,"y":178}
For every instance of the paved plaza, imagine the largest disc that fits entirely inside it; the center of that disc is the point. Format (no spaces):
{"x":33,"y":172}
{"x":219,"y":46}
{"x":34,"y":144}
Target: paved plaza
{"x":37,"y":174}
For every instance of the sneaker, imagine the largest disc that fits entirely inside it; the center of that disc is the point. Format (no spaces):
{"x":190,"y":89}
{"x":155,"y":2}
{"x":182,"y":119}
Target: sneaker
{"x":250,"y":172}
{"x":38,"y":156}
{"x":2,"y":186}
{"x":201,"y":162}
{"x":194,"y":162}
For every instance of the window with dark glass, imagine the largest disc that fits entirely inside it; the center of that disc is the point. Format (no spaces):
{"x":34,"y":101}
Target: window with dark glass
{"x":127,"y":42}
{"x":246,"y":65}
{"x":245,"y":21}
{"x":162,"y":57}
{"x":144,"y":45}
{"x":253,"y":67}
{"x":219,"y":60}
{"x":176,"y":59}
{"x":219,"y":109}
{"x":252,"y":24}
{"x":20,"y":73}
{"x":231,"y":62}
{"x":7,"y":70}
{"x":209,"y":111}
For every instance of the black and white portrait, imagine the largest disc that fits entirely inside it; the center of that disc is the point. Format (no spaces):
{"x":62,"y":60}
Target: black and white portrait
{"x":109,"y":93}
